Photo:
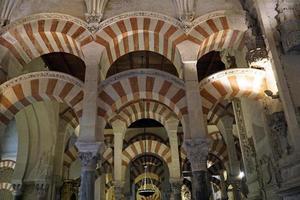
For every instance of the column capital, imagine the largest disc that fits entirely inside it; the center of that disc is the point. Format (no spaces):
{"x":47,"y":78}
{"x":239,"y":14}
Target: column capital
{"x":18,"y":189}
{"x":118,"y":185}
{"x":197,"y":151}
{"x":176,"y":185}
{"x":41,"y":189}
{"x":89,"y":154}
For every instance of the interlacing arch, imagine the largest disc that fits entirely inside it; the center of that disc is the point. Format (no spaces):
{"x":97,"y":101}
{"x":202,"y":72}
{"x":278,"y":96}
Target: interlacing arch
{"x":144,"y":109}
{"x":231,"y":83}
{"x":153,"y":147}
{"x":134,"y":85}
{"x":40,"y":34}
{"x":27,"y":89}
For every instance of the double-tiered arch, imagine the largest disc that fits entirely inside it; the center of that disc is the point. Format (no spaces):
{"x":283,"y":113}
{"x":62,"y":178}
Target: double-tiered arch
{"x":135,"y":85}
{"x":143,"y":109}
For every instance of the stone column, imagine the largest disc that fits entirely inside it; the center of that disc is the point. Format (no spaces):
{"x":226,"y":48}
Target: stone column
{"x":197,"y":151}
{"x":176,"y":185}
{"x":248,"y":154}
{"x":196,"y":143}
{"x":226,"y":123}
{"x":18,"y":191}
{"x":119,"y":129}
{"x":171,"y":127}
{"x":41,"y":189}
{"x":89,"y":156}
{"x":118,"y":190}
{"x":197,"y":126}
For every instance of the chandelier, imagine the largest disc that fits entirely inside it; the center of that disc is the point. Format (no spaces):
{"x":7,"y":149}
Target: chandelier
{"x":147,"y":189}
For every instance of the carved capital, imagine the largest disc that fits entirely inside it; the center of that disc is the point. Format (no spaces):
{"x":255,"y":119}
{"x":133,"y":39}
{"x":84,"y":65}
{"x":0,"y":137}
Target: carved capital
{"x":185,"y":12}
{"x":41,"y":189}
{"x":290,"y":35}
{"x":18,"y":189}
{"x":118,"y":185}
{"x":89,"y":154}
{"x":256,"y":57}
{"x":197,"y":151}
{"x":95,"y":9}
{"x":176,"y":185}
{"x":278,"y":126}
{"x":288,"y":10}
{"x":89,"y":160}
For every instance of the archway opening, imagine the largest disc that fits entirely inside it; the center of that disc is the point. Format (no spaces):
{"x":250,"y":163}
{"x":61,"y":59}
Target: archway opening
{"x":208,"y":64}
{"x":142,"y":60}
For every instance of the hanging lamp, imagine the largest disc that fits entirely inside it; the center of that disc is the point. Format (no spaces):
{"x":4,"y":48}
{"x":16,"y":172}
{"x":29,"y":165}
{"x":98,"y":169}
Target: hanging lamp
{"x":146,"y":190}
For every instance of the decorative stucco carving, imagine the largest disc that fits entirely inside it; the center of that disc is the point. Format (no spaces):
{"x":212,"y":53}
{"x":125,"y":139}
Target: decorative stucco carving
{"x":279,"y":129}
{"x":18,"y":189}
{"x":6,"y":9}
{"x":197,"y":151}
{"x":185,"y":12}
{"x":95,"y":9}
{"x":289,"y":24}
{"x":246,"y":146}
{"x":41,"y":189}
{"x":270,"y":174}
{"x":89,"y":160}
{"x":256,"y":56}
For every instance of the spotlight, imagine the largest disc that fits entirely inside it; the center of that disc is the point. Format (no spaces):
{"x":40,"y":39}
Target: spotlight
{"x":241,"y":175}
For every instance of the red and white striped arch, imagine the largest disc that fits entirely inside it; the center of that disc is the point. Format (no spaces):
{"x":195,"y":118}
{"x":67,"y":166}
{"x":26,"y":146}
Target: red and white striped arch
{"x":144,"y":109}
{"x":140,"y":33}
{"x":6,"y":186}
{"x":134,"y":85}
{"x":40,"y":34}
{"x":217,"y":33}
{"x":26,"y":89}
{"x":7,"y":164}
{"x":242,"y":82}
{"x":152,"y":147}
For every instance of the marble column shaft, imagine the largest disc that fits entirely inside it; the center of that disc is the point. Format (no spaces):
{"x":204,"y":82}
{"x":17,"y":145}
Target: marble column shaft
{"x":200,"y":185}
{"x":88,"y":174}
